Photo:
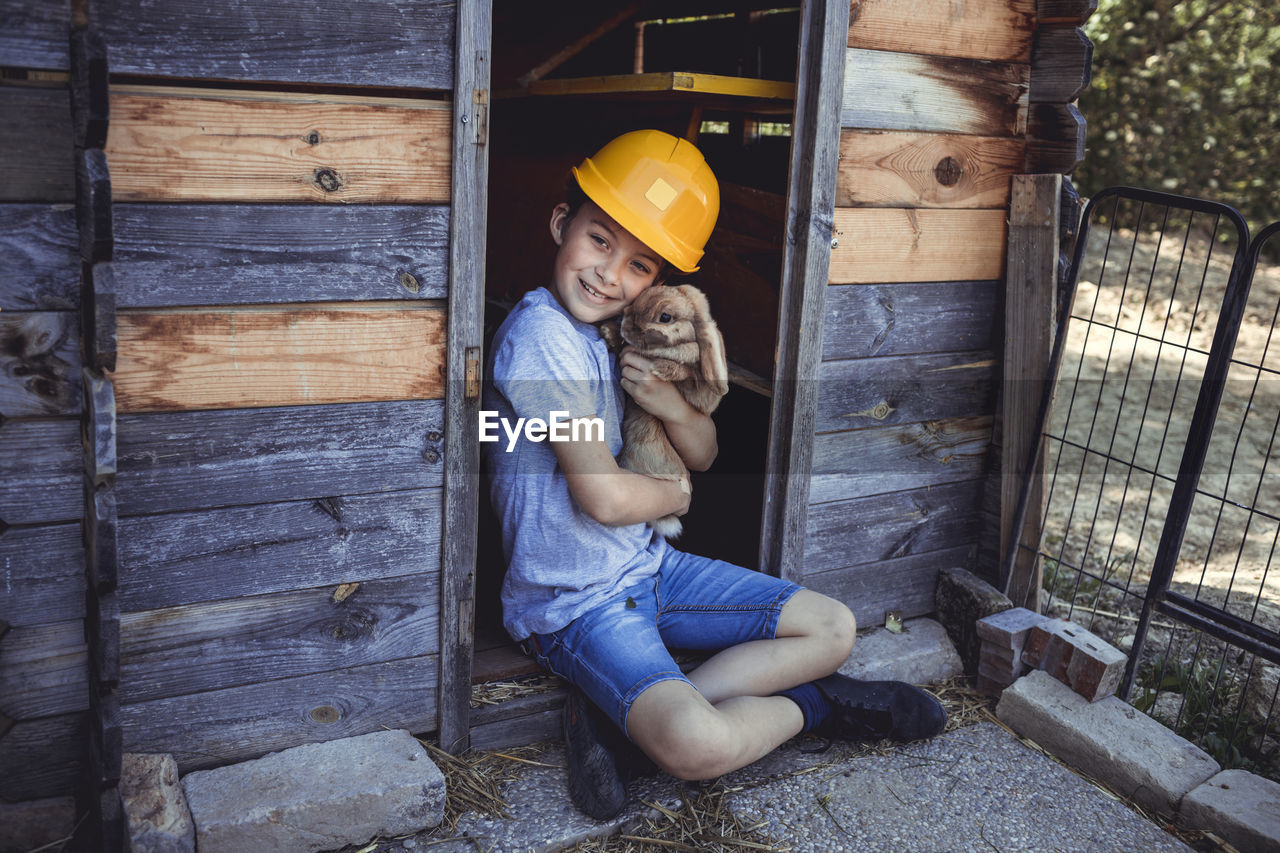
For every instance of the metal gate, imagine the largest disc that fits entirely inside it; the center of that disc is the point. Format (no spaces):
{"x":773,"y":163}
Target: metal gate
{"x":1160,"y":454}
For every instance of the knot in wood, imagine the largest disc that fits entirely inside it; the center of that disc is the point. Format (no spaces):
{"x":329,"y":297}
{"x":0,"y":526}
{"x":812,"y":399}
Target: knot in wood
{"x":431,"y":455}
{"x":947,"y":171}
{"x":313,"y":138}
{"x":353,"y":624}
{"x":325,"y":714}
{"x":408,"y":282}
{"x":881,"y":410}
{"x":328,"y":180}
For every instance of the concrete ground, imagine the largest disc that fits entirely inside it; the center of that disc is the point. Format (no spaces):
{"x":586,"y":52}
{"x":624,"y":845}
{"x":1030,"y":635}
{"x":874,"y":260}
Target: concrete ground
{"x":977,"y":788}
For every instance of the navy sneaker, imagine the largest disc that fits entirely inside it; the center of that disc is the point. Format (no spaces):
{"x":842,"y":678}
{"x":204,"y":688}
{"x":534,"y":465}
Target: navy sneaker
{"x":596,"y":785}
{"x":875,"y":710}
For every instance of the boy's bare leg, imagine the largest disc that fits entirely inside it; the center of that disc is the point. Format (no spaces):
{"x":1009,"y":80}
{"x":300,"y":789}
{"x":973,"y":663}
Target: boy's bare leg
{"x":732,"y":718}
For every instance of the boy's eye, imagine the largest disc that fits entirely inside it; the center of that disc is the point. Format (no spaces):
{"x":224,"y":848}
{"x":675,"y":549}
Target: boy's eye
{"x":640,"y":268}
{"x":600,"y":241}
{"x":664,"y":317}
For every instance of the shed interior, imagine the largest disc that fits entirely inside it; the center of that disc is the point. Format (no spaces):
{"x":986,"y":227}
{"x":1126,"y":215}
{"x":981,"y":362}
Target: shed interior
{"x":720,"y":73}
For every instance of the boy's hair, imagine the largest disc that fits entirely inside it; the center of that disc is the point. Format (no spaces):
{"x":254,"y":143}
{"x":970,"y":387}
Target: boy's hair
{"x":575,"y":198}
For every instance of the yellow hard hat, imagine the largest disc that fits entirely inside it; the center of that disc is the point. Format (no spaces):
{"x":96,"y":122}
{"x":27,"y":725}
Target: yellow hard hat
{"x":659,"y":188}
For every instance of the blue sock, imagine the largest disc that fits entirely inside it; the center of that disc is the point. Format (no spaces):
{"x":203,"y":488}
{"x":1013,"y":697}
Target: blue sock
{"x":814,"y":707}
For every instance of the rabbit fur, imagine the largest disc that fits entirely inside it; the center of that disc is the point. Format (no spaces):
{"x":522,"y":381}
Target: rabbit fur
{"x":672,"y":326}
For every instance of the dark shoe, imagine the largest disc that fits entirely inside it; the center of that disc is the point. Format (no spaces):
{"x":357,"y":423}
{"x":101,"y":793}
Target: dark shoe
{"x":874,"y":710}
{"x":595,"y":783}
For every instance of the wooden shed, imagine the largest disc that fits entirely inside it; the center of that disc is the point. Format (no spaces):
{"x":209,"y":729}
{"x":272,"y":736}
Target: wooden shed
{"x":248,"y":257}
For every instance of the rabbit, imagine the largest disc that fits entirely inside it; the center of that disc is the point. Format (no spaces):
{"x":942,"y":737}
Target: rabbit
{"x":671,"y":325}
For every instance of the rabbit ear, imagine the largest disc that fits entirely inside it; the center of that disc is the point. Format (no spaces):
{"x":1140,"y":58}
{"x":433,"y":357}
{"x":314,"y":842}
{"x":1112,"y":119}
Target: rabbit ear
{"x":714,"y":366}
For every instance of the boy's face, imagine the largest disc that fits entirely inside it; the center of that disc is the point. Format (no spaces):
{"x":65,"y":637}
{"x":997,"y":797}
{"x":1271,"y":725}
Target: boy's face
{"x":600,"y":267}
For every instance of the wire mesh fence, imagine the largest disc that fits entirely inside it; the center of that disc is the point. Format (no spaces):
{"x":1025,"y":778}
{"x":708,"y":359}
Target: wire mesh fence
{"x":1161,"y":515}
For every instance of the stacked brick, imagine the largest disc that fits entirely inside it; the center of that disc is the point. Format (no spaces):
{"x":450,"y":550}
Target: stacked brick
{"x":1017,"y":640}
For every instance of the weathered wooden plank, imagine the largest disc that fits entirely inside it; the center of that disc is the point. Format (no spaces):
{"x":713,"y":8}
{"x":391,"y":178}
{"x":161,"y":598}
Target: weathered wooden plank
{"x":39,"y":364}
{"x":41,"y":758}
{"x":896,"y":319}
{"x":887,"y":527}
{"x":93,"y":204}
{"x":42,"y":574}
{"x":36,"y":138}
{"x":169,"y":144}
{"x":43,"y":670}
{"x":1055,"y":139}
{"x":893,"y":244}
{"x":40,"y":479}
{"x":90,"y":94}
{"x":897,"y":458}
{"x":905,"y":584}
{"x":98,"y":317}
{"x":187,"y":557}
{"x":405,"y":43}
{"x":1065,"y":11}
{"x":102,"y":628}
{"x":815,"y":151}
{"x":199,"y":460}
{"x":35,"y":34}
{"x":240,"y":723}
{"x":1030,"y":303}
{"x":215,"y":645}
{"x":517,"y":722}
{"x":994,"y":29}
{"x":470,"y":180}
{"x":39,"y":263}
{"x":869,"y":392}
{"x":1061,"y":65}
{"x":898,"y":169}
{"x":171,"y":360}
{"x":190,"y":254}
{"x":900,"y":91}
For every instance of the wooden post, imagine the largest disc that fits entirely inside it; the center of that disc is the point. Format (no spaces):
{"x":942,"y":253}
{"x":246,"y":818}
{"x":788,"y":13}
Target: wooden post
{"x":462,"y":397}
{"x":1030,"y":302}
{"x":815,"y":152}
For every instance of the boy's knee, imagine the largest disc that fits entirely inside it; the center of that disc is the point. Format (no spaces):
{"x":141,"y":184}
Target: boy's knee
{"x":834,"y":623}
{"x":687,"y":740}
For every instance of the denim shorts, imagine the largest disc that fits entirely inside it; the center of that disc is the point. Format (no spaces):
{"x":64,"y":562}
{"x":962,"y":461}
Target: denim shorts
{"x":617,"y":650}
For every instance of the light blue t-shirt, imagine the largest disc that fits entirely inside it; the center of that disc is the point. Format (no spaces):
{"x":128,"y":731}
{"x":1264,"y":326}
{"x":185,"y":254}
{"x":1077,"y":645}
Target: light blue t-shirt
{"x":560,"y":561}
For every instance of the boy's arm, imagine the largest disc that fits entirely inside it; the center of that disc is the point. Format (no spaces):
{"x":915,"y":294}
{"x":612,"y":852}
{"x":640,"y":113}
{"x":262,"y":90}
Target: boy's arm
{"x":613,"y":495}
{"x":692,"y":433}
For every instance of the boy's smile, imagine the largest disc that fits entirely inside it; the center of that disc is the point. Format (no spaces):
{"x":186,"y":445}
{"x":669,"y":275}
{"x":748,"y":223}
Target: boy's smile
{"x":600,"y":266}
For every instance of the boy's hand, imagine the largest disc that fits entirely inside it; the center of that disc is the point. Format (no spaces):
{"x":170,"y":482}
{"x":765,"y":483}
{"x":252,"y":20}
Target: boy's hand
{"x":656,"y":396}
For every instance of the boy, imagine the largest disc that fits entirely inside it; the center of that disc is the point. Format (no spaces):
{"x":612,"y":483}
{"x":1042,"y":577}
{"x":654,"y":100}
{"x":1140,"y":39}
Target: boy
{"x":590,"y":590}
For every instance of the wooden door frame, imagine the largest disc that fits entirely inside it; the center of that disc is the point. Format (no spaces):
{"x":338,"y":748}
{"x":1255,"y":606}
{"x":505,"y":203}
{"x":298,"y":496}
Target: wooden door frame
{"x":810,"y":226}
{"x":468,"y":214}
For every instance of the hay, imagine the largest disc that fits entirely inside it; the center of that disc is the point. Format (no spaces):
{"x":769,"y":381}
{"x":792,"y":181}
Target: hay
{"x":474,"y":780}
{"x":497,"y":692}
{"x":701,"y":822}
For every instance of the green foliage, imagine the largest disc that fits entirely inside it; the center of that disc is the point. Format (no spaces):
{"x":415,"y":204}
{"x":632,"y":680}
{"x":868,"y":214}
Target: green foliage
{"x":1211,"y":713}
{"x":1184,"y":99}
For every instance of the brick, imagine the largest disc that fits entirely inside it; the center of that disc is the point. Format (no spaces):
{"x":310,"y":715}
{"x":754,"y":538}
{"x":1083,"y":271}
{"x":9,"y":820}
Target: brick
{"x":157,"y":819}
{"x":1009,"y":628}
{"x":1075,"y":656}
{"x":1001,"y":676}
{"x":1108,"y":740}
{"x":321,"y":796}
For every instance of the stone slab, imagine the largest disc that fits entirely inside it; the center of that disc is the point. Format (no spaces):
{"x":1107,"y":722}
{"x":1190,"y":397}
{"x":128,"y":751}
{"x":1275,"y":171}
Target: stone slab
{"x":1240,"y":807}
{"x":320,"y":796}
{"x":922,"y":654}
{"x":157,"y":819}
{"x":1108,"y":740}
{"x":961,"y":598}
{"x":34,"y":823}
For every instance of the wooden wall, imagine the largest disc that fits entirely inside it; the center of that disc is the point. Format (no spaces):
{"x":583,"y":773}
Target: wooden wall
{"x":264,"y":247}
{"x":43,"y":654}
{"x":934,"y":122}
{"x":279,"y":271}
